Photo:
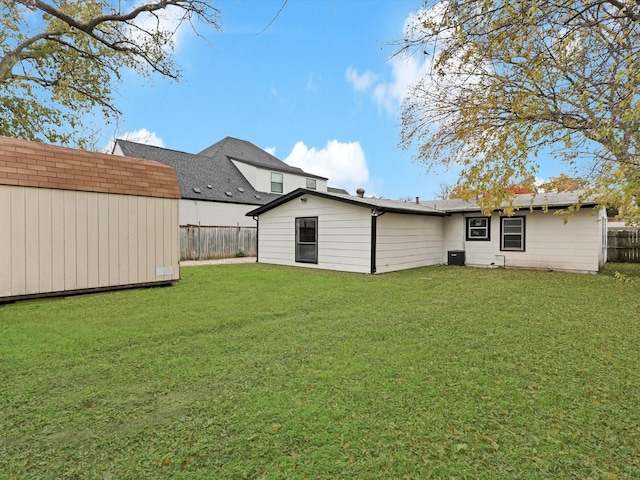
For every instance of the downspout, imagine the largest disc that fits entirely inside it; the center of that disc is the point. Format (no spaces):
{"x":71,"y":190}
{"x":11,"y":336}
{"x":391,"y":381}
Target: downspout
{"x":257,"y":235}
{"x":374,"y":227}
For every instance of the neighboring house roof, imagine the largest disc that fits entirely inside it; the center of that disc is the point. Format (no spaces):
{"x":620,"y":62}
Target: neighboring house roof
{"x":337,"y":190}
{"x":247,"y":152}
{"x":434,"y":207}
{"x":522,"y":201}
{"x":378,"y":204}
{"x":212,"y":178}
{"x":32,"y":164}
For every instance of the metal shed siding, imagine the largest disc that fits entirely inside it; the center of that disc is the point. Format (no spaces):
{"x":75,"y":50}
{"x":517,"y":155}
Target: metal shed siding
{"x":344,"y":234}
{"x":63,"y":240}
{"x":550,"y":243}
{"x":408,"y":241}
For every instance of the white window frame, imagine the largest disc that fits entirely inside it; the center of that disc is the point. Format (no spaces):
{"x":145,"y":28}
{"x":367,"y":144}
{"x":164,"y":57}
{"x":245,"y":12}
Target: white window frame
{"x":275,"y":182}
{"x":311,"y":183}
{"x":486,"y":227}
{"x":511,"y":228}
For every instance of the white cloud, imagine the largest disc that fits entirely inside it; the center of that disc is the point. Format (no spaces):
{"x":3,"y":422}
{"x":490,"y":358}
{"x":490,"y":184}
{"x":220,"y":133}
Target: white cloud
{"x":139,"y":136}
{"x":344,"y":164}
{"x":312,"y":82}
{"x":361,"y":83}
{"x":170,"y":21}
{"x":406,"y":70}
{"x":271,"y":150}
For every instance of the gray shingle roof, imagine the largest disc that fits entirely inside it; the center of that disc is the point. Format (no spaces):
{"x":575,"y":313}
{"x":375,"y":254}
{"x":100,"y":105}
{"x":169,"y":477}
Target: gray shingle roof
{"x":434,"y":207}
{"x":202,"y":177}
{"x":248,"y":153}
{"x":522,"y":201}
{"x":379,"y":204}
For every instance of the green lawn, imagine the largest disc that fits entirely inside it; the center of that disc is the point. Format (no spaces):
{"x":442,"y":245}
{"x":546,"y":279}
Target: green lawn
{"x":257,"y":371}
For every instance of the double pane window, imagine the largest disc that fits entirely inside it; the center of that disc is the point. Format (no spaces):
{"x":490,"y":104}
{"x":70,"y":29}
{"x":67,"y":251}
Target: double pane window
{"x":512,"y":233}
{"x":478,"y":228}
{"x":276,"y":182}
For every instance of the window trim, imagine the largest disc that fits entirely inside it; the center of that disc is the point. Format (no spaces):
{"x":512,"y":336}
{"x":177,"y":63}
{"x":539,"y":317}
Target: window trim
{"x":298,"y":242}
{"x":311,"y":181}
{"x":487,"y":227}
{"x":522,"y":234}
{"x":281,"y":182}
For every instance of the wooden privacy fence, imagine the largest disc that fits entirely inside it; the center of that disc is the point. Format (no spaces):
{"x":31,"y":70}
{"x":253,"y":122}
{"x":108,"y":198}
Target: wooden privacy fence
{"x":623,"y":246}
{"x":202,"y":243}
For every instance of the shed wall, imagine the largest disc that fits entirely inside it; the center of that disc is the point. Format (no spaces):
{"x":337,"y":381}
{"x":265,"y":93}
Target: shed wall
{"x":65,"y":240}
{"x":408,"y":241}
{"x":344,"y":234}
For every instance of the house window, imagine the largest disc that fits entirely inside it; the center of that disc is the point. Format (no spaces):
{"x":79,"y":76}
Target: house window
{"x":276,"y":182}
{"x":311,"y":183}
{"x":478,"y":228}
{"x":512,"y":233}
{"x":307,"y":239}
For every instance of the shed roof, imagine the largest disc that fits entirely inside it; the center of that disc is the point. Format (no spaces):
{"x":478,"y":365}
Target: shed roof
{"x":32,"y":164}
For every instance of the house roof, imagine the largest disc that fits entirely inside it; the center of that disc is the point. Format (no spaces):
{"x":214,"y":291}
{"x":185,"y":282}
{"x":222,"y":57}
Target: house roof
{"x":337,"y":190}
{"x":378,"y":204}
{"x":202,"y":177}
{"x":32,"y":164}
{"x":434,"y":207}
{"x":247,"y":152}
{"x":522,"y":201}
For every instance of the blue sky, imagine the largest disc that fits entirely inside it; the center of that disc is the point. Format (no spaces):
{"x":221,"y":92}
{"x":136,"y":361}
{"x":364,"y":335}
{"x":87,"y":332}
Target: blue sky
{"x":319,"y":89}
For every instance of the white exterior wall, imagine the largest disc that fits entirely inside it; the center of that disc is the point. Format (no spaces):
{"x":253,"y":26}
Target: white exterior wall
{"x":550,"y":243}
{"x":215,"y":214}
{"x":408,"y":241}
{"x":453,"y":235}
{"x":344,"y":234}
{"x":260,"y":179}
{"x":65,"y":240}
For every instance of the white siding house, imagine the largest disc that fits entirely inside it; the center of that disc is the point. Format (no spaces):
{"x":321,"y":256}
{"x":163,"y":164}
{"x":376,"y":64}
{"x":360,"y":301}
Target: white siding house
{"x":223,"y":182}
{"x":343,"y":241}
{"x":408,"y":241}
{"x":549,"y":241}
{"x":367,"y":235}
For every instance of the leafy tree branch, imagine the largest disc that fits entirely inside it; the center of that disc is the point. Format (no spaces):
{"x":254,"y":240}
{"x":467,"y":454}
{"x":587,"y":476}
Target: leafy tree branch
{"x":61,"y":59}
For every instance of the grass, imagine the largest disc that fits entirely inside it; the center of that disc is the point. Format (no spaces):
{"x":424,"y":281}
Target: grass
{"x":257,"y":371}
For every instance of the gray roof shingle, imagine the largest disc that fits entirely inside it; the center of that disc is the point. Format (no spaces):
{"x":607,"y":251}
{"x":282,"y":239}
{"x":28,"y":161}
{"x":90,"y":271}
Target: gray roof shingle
{"x":201,"y":177}
{"x":378,"y":204}
{"x":248,"y":153}
{"x":522,"y":201}
{"x":435,"y":207}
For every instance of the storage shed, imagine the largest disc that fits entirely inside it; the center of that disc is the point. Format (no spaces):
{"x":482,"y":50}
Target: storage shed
{"x":76,"y":221}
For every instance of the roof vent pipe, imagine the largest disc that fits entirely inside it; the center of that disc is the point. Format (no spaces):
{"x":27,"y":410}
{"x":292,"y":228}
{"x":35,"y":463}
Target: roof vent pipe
{"x":360,"y":192}
{"x":417,"y":200}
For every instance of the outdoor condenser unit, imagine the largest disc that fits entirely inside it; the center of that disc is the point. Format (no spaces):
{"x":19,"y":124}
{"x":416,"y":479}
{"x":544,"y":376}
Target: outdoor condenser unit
{"x":455,"y":257}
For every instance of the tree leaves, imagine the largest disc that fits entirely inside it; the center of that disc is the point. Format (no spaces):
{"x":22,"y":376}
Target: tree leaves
{"x":59,"y":61}
{"x":520,"y":81}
